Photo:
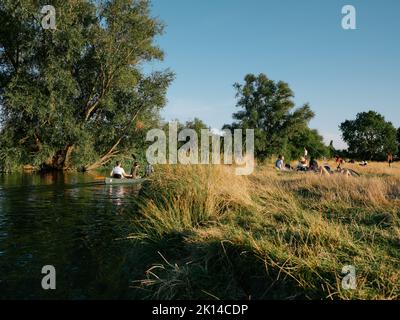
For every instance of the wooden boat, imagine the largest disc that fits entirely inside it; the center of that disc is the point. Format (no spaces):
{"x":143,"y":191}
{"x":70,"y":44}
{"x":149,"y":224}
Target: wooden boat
{"x":123,"y":181}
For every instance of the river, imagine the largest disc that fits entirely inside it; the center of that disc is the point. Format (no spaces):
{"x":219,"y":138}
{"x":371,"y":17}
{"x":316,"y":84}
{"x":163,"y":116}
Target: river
{"x":72,"y":222}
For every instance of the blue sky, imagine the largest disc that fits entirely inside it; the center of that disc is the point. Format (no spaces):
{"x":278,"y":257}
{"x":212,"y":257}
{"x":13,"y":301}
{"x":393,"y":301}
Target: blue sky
{"x":211,"y":44}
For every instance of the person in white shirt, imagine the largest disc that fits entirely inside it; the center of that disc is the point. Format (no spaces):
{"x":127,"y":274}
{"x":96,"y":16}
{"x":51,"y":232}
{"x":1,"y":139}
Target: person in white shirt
{"x":302,"y":165}
{"x":118,"y":172}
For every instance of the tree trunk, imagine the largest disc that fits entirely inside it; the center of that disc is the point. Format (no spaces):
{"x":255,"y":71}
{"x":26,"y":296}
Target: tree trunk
{"x":107,"y":157}
{"x":60,"y":161}
{"x":67,"y":157}
{"x":112,"y":152}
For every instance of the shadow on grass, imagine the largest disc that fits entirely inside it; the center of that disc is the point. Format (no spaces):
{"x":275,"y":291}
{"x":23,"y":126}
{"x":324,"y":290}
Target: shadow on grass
{"x":175,"y":267}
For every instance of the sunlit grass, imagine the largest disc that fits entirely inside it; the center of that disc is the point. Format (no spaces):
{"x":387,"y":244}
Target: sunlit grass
{"x":211,"y":234}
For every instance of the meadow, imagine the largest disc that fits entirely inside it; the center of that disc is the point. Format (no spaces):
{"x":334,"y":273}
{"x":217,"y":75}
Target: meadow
{"x":203,"y":232}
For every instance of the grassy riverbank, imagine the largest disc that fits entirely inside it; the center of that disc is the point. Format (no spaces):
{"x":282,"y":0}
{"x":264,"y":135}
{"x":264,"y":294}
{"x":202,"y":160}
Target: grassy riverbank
{"x":204,"y":232}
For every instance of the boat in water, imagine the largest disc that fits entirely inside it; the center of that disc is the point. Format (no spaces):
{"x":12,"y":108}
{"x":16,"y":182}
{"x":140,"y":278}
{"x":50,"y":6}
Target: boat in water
{"x":123,"y":181}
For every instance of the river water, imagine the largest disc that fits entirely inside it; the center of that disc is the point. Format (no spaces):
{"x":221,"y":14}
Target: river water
{"x":72,"y":222}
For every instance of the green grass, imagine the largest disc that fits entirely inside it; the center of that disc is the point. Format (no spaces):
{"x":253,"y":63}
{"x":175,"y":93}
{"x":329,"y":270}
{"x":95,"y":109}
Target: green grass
{"x":204,"y":233}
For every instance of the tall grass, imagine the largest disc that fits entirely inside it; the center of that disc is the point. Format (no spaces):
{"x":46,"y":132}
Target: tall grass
{"x":207,"y":233}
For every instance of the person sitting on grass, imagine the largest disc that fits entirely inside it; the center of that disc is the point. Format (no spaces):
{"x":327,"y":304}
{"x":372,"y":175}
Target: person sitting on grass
{"x":280,"y":163}
{"x":118,"y":172}
{"x":339,"y":162}
{"x":313,"y":165}
{"x":302,"y":165}
{"x":324,"y":171}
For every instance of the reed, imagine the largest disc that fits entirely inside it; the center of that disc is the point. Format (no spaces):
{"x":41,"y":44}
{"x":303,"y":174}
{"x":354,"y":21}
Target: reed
{"x":211,"y":234}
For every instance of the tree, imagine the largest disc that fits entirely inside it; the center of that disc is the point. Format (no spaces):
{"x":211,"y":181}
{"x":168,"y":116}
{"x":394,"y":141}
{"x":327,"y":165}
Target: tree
{"x":309,"y":139}
{"x":369,"y":136}
{"x":73,"y":97}
{"x":398,"y":138}
{"x":196,"y":124}
{"x":268,"y":108}
{"x":331,"y":150}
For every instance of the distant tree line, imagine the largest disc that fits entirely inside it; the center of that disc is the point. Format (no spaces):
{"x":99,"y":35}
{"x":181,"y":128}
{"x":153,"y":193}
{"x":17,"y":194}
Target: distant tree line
{"x":281,"y":128}
{"x":370,"y":137}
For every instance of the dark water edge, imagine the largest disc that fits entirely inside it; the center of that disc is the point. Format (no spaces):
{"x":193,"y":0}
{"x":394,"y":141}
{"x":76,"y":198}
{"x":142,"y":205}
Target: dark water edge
{"x":70,"y":221}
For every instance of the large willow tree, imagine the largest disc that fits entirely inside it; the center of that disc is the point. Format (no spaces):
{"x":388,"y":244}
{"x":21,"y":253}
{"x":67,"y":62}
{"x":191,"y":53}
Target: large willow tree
{"x":76,"y":96}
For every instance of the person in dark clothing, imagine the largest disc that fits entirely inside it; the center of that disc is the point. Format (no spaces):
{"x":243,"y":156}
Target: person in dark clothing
{"x":339,"y":162}
{"x":313,"y":164}
{"x":390,"y":159}
{"x":135,"y":171}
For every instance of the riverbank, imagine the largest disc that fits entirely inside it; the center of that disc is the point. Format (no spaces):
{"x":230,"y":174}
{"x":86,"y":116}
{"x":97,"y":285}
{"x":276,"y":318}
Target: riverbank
{"x":203,"y":232}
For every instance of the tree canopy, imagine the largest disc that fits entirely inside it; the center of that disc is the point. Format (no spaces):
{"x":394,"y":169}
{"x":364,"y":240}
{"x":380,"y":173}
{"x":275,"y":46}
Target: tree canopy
{"x":77,"y":96}
{"x":309,"y":139}
{"x":369,"y":136}
{"x":398,"y":138}
{"x":268,"y":107}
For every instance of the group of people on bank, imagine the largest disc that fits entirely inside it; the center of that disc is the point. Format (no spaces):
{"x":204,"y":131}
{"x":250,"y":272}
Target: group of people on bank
{"x":305,"y":165}
{"x":312,"y":165}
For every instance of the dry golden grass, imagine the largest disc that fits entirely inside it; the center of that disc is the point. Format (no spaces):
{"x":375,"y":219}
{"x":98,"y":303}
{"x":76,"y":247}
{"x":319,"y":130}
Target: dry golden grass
{"x":272,"y":235}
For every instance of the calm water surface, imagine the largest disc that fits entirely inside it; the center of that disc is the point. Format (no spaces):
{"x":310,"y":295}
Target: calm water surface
{"x":73,"y":222}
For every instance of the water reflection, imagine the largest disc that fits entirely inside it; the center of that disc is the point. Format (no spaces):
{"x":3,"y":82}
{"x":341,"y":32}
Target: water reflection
{"x":69,"y":221}
{"x":120,"y":195}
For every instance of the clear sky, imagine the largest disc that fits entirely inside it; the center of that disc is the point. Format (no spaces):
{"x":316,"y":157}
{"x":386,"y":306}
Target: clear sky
{"x":211,"y":44}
